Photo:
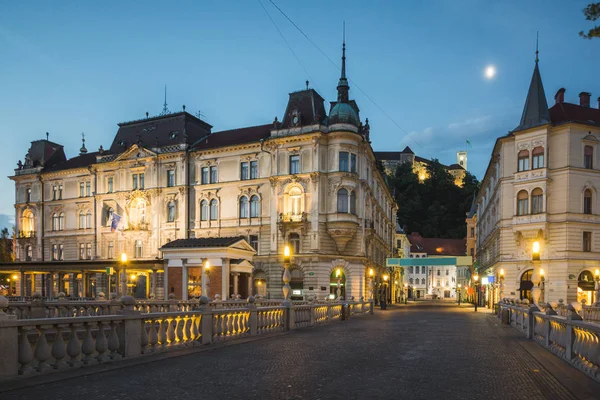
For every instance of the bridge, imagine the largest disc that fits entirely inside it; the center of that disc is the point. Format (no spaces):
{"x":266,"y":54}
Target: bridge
{"x":428,"y":349}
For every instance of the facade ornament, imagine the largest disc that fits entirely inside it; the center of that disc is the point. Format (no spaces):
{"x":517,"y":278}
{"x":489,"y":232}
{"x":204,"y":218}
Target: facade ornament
{"x":273,"y":181}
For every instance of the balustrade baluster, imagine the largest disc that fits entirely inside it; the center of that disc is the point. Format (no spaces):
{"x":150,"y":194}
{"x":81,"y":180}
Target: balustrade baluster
{"x":171,"y":331}
{"x":87,"y":347}
{"x":25,"y":352}
{"x":59,"y":349}
{"x":101,"y":344}
{"x":162,"y":334}
{"x":42,"y":349}
{"x":179,"y":331}
{"x":152,"y":335}
{"x":113,"y":341}
{"x":74,"y":347}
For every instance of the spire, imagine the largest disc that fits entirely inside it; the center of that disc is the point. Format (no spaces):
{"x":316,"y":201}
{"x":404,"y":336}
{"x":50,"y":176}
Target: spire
{"x":165,"y":110}
{"x":535,"y":112}
{"x":82,"y":150}
{"x":343,"y":87}
{"x":537,"y":41}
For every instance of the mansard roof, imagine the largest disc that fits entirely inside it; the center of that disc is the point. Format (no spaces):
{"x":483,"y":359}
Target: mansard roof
{"x":203,"y":242}
{"x":234,"y":137}
{"x":80,"y":161}
{"x":562,"y":113}
{"x":308,"y":105}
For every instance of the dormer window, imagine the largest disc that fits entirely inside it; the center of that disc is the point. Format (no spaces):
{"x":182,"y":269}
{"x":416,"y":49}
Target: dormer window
{"x":173,"y":135}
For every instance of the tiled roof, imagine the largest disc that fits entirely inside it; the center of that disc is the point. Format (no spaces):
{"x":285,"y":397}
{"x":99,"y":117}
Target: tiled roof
{"x":308,"y":104}
{"x":234,"y":136}
{"x":82,"y":160}
{"x":455,"y":166}
{"x":437,"y":246}
{"x":567,"y":112}
{"x":203,"y":242}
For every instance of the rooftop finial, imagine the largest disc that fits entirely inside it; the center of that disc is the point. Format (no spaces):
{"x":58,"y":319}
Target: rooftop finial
{"x":344,"y":52}
{"x":165,"y":110}
{"x":307,"y":84}
{"x":82,"y":150}
{"x":537,"y":40}
{"x":47,"y":136}
{"x":343,"y":82}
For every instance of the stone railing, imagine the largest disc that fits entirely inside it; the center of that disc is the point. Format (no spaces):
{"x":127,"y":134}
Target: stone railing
{"x":34,"y":346}
{"x":569,"y":337}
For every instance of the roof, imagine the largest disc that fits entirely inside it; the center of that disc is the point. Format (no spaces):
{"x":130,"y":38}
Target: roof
{"x":203,"y":242}
{"x":567,"y":112}
{"x":308,"y":105}
{"x":343,"y":113}
{"x":473,"y":209}
{"x":437,"y":246}
{"x":163,"y":130}
{"x":234,"y":136}
{"x":399,"y":229}
{"x":80,"y":161}
{"x":455,"y":166}
{"x":45,"y":153}
{"x":407,"y":150}
{"x":535,"y":111}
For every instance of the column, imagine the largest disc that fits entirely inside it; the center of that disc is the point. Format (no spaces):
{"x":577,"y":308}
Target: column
{"x":249,"y":277}
{"x":123,"y":281}
{"x":236,"y":278}
{"x":32,"y":283}
{"x":166,"y":280}
{"x":84,"y":284}
{"x":225,"y":278}
{"x":153,"y":281}
{"x":184,"y":280}
{"x":50,"y":284}
{"x":117,"y":275}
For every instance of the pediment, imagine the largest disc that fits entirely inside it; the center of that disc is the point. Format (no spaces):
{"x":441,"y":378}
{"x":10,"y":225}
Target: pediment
{"x":134,"y":153}
{"x":242,"y":245}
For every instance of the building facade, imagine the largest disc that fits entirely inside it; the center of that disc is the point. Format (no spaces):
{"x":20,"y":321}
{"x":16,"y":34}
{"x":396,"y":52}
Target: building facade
{"x":541,"y":186}
{"x":310,"y":180}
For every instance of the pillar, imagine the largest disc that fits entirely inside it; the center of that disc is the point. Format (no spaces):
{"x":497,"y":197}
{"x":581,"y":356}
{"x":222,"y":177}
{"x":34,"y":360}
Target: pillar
{"x":184,"y":280}
{"x":123,"y":279}
{"x":236,"y":279}
{"x":22,"y":284}
{"x":32,"y":284}
{"x":225,"y":278}
{"x":50,"y":284}
{"x":153,"y":282}
{"x":249,"y":277}
{"x":166,"y":280}
{"x":84,"y":284}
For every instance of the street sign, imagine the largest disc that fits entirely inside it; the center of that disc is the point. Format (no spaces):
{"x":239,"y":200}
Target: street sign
{"x":110,"y":270}
{"x":430,"y":261}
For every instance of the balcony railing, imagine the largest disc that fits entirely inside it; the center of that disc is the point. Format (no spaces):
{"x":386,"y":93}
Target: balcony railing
{"x":26,"y":234}
{"x":292,"y":217}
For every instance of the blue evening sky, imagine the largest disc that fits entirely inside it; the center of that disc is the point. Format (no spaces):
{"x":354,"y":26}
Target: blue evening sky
{"x":68,"y":67}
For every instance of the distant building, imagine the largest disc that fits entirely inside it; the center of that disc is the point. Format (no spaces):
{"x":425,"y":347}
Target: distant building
{"x":392,"y":159}
{"x":462,"y":272}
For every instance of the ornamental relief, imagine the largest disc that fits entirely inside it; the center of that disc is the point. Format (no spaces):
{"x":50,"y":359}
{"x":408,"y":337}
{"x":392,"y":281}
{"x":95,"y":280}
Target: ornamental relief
{"x":208,"y":194}
{"x":249,"y":191}
{"x":538,"y":142}
{"x":523,"y":146}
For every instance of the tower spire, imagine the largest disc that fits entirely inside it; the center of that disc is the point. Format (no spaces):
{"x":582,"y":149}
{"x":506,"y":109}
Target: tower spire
{"x":165,"y":110}
{"x":537,"y":52}
{"x":82,"y":150}
{"x":343,"y":87}
{"x":344,"y":52}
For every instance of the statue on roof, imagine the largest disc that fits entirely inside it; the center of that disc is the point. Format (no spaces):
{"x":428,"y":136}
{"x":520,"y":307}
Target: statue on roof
{"x":19,"y":164}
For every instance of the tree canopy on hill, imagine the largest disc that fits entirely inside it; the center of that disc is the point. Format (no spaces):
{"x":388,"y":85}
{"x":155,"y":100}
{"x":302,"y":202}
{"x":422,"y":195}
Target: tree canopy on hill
{"x":436,"y":207}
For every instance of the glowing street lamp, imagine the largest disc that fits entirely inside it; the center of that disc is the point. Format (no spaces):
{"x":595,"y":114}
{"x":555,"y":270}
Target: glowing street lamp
{"x":459,"y":288}
{"x":476,"y":279}
{"x":287,"y":277}
{"x":535,"y":251}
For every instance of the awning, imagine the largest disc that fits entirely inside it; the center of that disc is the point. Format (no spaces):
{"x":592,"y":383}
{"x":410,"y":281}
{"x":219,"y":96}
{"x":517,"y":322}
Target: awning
{"x":526,"y":285}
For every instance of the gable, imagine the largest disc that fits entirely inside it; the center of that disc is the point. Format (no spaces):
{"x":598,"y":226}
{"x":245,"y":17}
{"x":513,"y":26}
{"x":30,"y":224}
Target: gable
{"x":135,"y":152}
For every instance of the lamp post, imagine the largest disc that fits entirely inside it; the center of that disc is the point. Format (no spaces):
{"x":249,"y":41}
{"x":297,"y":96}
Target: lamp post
{"x":204,"y":279}
{"x":542,"y":284}
{"x":458,"y":289}
{"x":405,"y":293}
{"x":287,"y":277}
{"x":597,"y":278}
{"x":371,"y":273}
{"x":385,"y":287}
{"x":338,"y":275}
{"x":500,"y":296}
{"x":123,"y":275}
{"x":476,"y":279}
{"x":132,"y":278}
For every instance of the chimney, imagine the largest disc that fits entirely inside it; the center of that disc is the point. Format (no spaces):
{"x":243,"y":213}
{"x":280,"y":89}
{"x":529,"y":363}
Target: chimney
{"x":559,"y":97}
{"x":584,"y":99}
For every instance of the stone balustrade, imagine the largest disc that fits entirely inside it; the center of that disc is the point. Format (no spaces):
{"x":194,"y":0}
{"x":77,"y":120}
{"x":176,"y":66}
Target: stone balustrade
{"x":566,"y":334}
{"x":55,"y":342}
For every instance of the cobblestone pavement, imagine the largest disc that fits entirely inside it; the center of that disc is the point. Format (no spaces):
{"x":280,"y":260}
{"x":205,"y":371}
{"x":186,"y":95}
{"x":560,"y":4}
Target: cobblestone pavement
{"x":424,"y":351}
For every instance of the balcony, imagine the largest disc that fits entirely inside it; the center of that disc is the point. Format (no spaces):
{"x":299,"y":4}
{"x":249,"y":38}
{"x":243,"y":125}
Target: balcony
{"x":291,"y":217}
{"x":342,"y":227}
{"x":26,"y":234}
{"x":540,"y":173}
{"x":529,"y":219}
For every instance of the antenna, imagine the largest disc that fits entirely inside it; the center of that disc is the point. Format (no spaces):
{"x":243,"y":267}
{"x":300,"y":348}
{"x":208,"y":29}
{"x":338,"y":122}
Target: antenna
{"x":47,"y":135}
{"x":199,"y":115}
{"x":537,"y":40}
{"x":165,"y":110}
{"x":307,"y":84}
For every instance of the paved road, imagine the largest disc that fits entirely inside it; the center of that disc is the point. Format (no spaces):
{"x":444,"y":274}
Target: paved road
{"x":424,"y":351}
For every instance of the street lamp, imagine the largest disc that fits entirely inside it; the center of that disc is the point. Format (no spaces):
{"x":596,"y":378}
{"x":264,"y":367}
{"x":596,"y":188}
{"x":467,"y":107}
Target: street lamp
{"x":287,"y":277}
{"x":476,"y":279}
{"x":535,"y":251}
{"x":371,"y":273}
{"x":597,"y":278}
{"x":459,"y":288}
{"x":385,"y":287}
{"x":405,"y":293}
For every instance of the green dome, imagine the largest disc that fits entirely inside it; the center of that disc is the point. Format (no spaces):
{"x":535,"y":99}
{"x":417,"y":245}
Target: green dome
{"x":343,"y":113}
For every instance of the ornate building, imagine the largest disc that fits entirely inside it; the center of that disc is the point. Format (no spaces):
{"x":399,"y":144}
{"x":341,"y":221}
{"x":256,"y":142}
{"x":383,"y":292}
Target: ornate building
{"x":169,"y":183}
{"x":542,"y":186}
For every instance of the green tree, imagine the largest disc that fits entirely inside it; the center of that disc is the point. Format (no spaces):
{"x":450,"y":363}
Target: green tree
{"x":592,"y":13}
{"x":6,"y":246}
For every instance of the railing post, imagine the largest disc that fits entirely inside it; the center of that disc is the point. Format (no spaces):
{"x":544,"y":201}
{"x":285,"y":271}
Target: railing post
{"x":253,"y":319}
{"x":37,"y":308}
{"x":131,"y":332}
{"x":290,"y":316}
{"x":531,"y":321}
{"x":172,"y":303}
{"x":313,"y":318}
{"x":9,"y":364}
{"x":206,"y":323}
{"x":570,"y":334}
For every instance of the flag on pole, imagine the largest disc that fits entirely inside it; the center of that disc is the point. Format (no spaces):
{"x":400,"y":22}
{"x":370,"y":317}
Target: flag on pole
{"x":468,"y":144}
{"x":115,"y":222}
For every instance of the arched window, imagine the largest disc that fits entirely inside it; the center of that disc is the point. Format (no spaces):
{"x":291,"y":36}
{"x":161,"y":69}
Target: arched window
{"x":204,"y":210}
{"x":214,"y":210}
{"x":537,"y":156}
{"x":88,"y":220}
{"x":523,"y":160}
{"x":27,"y":224}
{"x":353,"y":202}
{"x":587,"y":201}
{"x":423,"y":281}
{"x":54,"y":222}
{"x":588,"y":157}
{"x":171,"y":211}
{"x":254,"y":207}
{"x":243,"y":207}
{"x":109,"y":216}
{"x":342,"y":201}
{"x":411,"y":280}
{"x":294,"y":239}
{"x":81,"y":220}
{"x":537,"y":201}
{"x":295,"y":201}
{"x":61,"y":221}
{"x":28,"y":253}
{"x":522,"y":203}
{"x":410,"y":270}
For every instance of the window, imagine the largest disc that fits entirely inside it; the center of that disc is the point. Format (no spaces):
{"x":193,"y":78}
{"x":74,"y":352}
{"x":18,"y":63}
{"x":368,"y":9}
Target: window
{"x":587,"y":201}
{"x":423,"y":281}
{"x":60,"y":192}
{"x":109,"y":216}
{"x":438,"y":273}
{"x":61,"y":222}
{"x":28,"y":253}
{"x":110,"y":253}
{"x":253,"y":169}
{"x":170,"y":178}
{"x":55,"y":192}
{"x":205,"y":176}
{"x":353,"y":202}
{"x":523,"y":160}
{"x":81,"y":251}
{"x":244,"y":171}
{"x":138,"y":249}
{"x":213,"y":174}
{"x":588,"y":157}
{"x":295,"y":243}
{"x":294,"y":164}
{"x":472,"y":232}
{"x":352,"y":162}
{"x":138,"y":181}
{"x":422,"y":270}
{"x":254,"y":241}
{"x":472,"y":252}
{"x":110,"y":184}
{"x":342,"y":201}
{"x":447,"y":272}
{"x":410,"y":270}
{"x":135,"y":181}
{"x":88,"y":220}
{"x":411,"y":280}
{"x":141,"y":181}
{"x":88,"y":188}
{"x":214,"y":210}
{"x":587,"y":241}
{"x":81,"y":220}
{"x":88,"y":251}
{"x":27,"y":224}
{"x":295,"y":201}
{"x":522,"y":203}
{"x":537,"y":201}
{"x":344,"y":161}
{"x":538,"y":157}
{"x":54,"y":222}
{"x":171,"y":212}
{"x":81,"y":189}
{"x":61,"y":252}
{"x":243,"y":207}
{"x":204,"y":210}
{"x":254,"y":207}
{"x":54,"y":252}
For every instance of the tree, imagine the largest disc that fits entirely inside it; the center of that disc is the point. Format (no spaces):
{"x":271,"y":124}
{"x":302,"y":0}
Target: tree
{"x":6,"y":246}
{"x":592,"y":13}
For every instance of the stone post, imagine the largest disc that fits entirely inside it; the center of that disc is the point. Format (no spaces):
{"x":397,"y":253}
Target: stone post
{"x":570,"y":334}
{"x":253,"y":320}
{"x":115,"y":305}
{"x":225,"y":278}
{"x":130,"y":336}
{"x":531,"y":321}
{"x":172,"y":303}
{"x":371,"y":306}
{"x":236,"y":282}
{"x":38,"y":307}
{"x":206,"y":323}
{"x":290,"y":316}
{"x":9,"y":364}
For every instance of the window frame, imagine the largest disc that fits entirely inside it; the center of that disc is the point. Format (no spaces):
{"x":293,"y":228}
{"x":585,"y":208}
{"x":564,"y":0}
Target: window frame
{"x":588,"y":159}
{"x":213,"y":172}
{"x":110,"y":181}
{"x":537,"y":157}
{"x":243,"y":207}
{"x":254,"y":206}
{"x":254,"y":169}
{"x":214,"y":210}
{"x":586,"y":241}
{"x":171,"y":212}
{"x":588,"y":202}
{"x":523,"y":161}
{"x":244,"y":170}
{"x":204,"y":176}
{"x":294,"y":164}
{"x":170,"y":178}
{"x":537,"y":201}
{"x":204,"y":210}
{"x":343,"y":200}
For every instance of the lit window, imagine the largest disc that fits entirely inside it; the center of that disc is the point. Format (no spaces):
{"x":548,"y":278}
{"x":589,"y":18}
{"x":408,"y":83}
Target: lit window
{"x":81,"y":251}
{"x":138,"y":249}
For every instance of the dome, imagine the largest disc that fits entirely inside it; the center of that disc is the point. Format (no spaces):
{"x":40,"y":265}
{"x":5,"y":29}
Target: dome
{"x":343,"y":113}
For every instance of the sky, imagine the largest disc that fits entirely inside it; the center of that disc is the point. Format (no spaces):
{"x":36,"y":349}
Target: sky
{"x":416,"y":68}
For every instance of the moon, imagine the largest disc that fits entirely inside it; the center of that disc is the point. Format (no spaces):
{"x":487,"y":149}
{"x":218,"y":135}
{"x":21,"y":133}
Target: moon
{"x":490,"y":72}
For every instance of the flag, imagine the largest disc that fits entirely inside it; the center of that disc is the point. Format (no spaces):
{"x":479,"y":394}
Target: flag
{"x":115,"y":222}
{"x":469,"y":144}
